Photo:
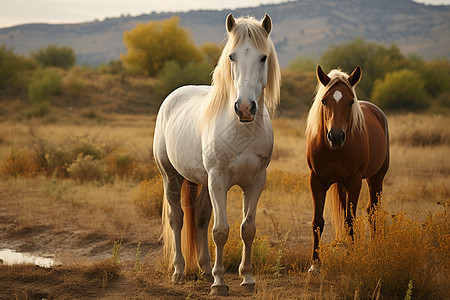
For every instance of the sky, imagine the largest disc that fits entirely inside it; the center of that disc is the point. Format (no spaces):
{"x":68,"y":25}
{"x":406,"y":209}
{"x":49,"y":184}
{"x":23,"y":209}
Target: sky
{"x":16,"y":12}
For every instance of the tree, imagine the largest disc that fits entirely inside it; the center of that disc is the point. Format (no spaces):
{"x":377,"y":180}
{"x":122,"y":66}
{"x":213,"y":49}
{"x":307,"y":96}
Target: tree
{"x":375,"y":60}
{"x":10,"y":67}
{"x":211,"y":52}
{"x":55,"y":56}
{"x":400,"y":90}
{"x":151,"y":45}
{"x":173,"y":76}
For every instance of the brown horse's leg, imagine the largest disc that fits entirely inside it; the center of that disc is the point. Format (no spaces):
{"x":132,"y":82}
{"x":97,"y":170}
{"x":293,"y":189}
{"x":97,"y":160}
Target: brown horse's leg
{"x":318,"y":194}
{"x":353,"y":190}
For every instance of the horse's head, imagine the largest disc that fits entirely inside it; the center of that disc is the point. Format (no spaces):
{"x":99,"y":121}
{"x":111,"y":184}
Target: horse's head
{"x":337,"y":106}
{"x":249,"y":64}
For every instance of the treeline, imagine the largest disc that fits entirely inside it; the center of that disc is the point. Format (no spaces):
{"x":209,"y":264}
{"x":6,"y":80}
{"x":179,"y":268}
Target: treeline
{"x":390,"y":79}
{"x":166,"y":52}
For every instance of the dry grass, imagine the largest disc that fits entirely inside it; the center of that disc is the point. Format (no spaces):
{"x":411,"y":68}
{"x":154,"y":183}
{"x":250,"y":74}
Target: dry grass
{"x":91,"y":216}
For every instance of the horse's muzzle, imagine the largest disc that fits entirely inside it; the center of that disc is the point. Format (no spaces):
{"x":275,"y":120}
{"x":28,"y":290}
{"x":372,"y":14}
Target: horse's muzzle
{"x":336,"y":138}
{"x":245,"y":110}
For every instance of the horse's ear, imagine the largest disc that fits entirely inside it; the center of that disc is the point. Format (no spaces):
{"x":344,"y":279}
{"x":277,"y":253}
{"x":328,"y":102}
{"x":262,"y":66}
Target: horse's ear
{"x":354,"y":78}
{"x":323,"y":78}
{"x":230,"y":22}
{"x":267,"y":23}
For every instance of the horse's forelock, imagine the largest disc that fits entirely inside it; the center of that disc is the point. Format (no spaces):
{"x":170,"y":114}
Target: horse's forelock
{"x":315,"y":117}
{"x":245,"y":27}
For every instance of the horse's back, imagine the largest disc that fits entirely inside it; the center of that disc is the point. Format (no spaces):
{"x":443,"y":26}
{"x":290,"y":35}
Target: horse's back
{"x":378,"y":137}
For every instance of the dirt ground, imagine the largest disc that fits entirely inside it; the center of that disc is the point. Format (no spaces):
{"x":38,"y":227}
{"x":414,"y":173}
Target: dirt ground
{"x":85,"y":250}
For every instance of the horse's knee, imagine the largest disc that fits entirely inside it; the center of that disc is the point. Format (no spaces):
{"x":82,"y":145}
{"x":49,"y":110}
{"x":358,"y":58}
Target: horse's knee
{"x":220,"y":234}
{"x":248,"y":230}
{"x":176,"y":218}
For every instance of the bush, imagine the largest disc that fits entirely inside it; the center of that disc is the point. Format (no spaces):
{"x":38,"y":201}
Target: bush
{"x":10,"y":67}
{"x":400,"y":90}
{"x":44,"y":83}
{"x":55,"y":56}
{"x":86,"y":168}
{"x":149,"y":197}
{"x":389,"y":258}
{"x":174,"y":76}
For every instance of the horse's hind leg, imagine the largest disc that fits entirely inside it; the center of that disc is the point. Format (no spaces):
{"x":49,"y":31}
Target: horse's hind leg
{"x":172,"y":189}
{"x":203,"y":210}
{"x":375,"y":184}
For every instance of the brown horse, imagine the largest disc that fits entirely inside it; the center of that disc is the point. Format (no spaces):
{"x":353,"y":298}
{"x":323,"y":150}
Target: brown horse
{"x":347,"y":141}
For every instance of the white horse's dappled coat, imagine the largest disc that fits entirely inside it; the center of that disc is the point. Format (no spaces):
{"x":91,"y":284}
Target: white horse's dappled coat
{"x":219,"y":136}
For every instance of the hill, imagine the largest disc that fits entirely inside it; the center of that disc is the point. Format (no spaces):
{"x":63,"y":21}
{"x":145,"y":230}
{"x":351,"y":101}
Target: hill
{"x":301,"y":27}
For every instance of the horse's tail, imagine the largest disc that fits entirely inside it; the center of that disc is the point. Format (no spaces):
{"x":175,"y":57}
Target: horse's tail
{"x":189,"y":192}
{"x":338,"y":206}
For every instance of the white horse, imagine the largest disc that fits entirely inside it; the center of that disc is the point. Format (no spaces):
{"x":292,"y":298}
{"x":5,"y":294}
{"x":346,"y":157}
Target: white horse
{"x":214,"y":137}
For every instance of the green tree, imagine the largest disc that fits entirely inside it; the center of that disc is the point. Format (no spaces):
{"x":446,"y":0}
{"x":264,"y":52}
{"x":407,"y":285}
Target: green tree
{"x":173,"y":76}
{"x":211,"y":52}
{"x":55,"y":56}
{"x":151,"y":45}
{"x":303,"y":64}
{"x":10,"y":67}
{"x":375,"y":60}
{"x":402,"y":90}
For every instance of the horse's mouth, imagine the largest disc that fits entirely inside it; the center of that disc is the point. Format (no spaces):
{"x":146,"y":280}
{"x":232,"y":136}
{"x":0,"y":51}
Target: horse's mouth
{"x":335,"y":147}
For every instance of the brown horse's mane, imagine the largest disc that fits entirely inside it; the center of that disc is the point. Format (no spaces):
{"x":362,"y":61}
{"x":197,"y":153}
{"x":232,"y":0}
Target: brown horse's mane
{"x":315,"y":121}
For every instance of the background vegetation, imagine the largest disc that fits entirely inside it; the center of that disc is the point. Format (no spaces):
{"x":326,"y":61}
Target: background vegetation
{"x":78,"y":140}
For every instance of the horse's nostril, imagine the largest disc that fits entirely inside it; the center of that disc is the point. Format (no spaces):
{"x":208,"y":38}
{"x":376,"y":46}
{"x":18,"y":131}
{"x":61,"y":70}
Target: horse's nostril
{"x":343,"y":137}
{"x":253,"y":108}
{"x":330,"y":136}
{"x":236,"y":107}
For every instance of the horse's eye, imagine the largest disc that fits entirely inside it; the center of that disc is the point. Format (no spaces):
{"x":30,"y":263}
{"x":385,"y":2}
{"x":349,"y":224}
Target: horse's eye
{"x":351,"y":102}
{"x":264,"y":58}
{"x":231,"y":57}
{"x":323,"y":102}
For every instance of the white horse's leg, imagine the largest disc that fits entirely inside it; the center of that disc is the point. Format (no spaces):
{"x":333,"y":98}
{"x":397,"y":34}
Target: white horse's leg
{"x":218,"y":194}
{"x":248,"y":228}
{"x":172,"y":188}
{"x":202,"y":217}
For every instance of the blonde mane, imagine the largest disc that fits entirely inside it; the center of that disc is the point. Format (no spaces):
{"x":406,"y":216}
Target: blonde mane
{"x":315,"y":115}
{"x":222,"y":83}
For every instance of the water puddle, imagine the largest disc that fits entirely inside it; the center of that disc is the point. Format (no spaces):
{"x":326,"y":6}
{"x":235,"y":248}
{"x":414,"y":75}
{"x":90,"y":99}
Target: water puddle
{"x":11,"y":257}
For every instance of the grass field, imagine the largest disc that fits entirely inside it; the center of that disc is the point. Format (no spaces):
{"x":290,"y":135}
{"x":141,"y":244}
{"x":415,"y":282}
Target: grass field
{"x":46,"y":211}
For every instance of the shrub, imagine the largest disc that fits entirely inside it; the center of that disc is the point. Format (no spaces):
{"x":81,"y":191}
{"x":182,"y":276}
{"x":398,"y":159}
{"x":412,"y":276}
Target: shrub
{"x":121,"y":163}
{"x":55,"y":56}
{"x":173,"y":76}
{"x":44,"y":83}
{"x":400,"y":90}
{"x":389,"y":258}
{"x":86,"y":168}
{"x":10,"y":67}
{"x":149,"y":197}
{"x":18,"y":163}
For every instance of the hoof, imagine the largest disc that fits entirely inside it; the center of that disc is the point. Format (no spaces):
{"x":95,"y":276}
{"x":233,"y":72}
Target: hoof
{"x":313,"y":270}
{"x":177,"y":278}
{"x":209,"y":278}
{"x":249,"y":288}
{"x":219,"y":290}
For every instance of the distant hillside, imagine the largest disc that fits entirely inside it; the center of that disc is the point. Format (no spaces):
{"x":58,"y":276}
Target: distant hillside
{"x":301,"y":27}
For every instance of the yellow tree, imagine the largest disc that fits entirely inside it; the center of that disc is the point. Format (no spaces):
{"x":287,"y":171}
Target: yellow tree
{"x":151,"y":45}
